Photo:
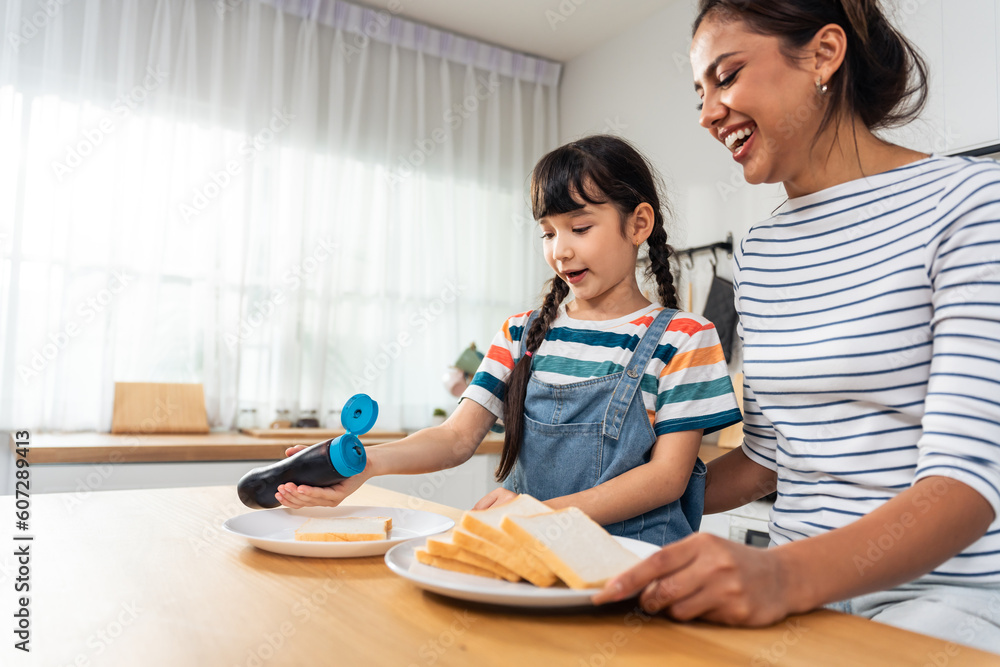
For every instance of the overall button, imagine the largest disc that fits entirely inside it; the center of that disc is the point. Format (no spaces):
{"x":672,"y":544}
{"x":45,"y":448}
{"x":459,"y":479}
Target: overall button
{"x":632,"y":373}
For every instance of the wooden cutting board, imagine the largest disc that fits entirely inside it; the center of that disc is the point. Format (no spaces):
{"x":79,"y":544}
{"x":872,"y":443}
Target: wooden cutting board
{"x":151,"y":407}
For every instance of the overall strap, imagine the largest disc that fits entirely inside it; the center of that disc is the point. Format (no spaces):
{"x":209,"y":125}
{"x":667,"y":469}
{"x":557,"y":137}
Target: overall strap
{"x":631,"y":378}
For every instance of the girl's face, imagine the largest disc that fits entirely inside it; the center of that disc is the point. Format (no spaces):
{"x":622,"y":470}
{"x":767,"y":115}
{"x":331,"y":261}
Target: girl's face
{"x":586,"y":249}
{"x":762,"y":107}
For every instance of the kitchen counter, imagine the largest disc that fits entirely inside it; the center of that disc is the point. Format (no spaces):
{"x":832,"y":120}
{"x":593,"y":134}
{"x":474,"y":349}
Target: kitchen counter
{"x":84,"y":462}
{"x":89,"y":461}
{"x":93,"y":447}
{"x":148,"y":577}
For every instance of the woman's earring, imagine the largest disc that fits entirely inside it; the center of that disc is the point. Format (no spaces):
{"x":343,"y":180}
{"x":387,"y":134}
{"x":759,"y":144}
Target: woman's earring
{"x":821,"y":87}
{"x":638,"y":243}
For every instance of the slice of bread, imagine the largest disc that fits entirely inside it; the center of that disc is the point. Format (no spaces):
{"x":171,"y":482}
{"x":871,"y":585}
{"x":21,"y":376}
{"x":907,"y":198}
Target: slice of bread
{"x":345,"y":529}
{"x":445,"y":547}
{"x":573,"y":545}
{"x":485,"y":524}
{"x":511,"y":556}
{"x":423,"y":556}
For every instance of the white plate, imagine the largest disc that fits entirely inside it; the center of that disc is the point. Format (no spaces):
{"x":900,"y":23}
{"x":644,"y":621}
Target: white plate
{"x":401,"y":560}
{"x":274,"y":530}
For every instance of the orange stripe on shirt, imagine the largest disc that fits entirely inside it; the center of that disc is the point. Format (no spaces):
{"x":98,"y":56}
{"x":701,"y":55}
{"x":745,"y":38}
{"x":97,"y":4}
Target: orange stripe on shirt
{"x":506,"y":324}
{"x":500,"y":355}
{"x":647,"y":319}
{"x":703,"y":356}
{"x":688,"y":326}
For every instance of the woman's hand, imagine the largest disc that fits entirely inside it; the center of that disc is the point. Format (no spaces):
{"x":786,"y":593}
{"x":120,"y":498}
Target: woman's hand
{"x":495,"y":498}
{"x":707,"y":577}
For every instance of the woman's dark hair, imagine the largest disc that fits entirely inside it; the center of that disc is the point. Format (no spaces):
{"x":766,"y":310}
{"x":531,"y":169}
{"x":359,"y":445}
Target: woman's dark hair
{"x":597,"y":170}
{"x":883,"y":79}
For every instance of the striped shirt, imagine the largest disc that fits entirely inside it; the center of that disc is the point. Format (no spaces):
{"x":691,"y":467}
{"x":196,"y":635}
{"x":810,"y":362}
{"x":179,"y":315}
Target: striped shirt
{"x":685,"y":387}
{"x":870,"y":317}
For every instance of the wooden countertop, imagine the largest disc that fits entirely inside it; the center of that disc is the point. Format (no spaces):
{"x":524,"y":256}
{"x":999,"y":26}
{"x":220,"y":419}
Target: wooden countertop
{"x":91,"y":447}
{"x":157,"y":447}
{"x":123,"y":578}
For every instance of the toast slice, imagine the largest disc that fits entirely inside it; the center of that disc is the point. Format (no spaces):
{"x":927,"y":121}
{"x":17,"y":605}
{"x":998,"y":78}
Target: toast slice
{"x":345,"y":529}
{"x":485,"y":524}
{"x":515,"y":558}
{"x":423,"y":556}
{"x":444,"y":546}
{"x":573,"y":545}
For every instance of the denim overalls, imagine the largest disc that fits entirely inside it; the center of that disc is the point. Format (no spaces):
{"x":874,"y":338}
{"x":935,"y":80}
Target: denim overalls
{"x":582,"y":434}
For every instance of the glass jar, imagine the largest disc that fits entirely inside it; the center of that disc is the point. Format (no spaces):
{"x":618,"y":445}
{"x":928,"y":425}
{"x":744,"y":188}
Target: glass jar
{"x":246,"y":419}
{"x":308,"y":419}
{"x":283,"y":419}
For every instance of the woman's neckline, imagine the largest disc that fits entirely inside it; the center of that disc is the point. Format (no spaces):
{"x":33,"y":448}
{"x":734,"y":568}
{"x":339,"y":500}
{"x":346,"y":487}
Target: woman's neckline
{"x":794,"y":203}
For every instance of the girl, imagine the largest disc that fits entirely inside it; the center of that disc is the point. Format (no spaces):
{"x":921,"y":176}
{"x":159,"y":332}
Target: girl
{"x":604,"y":399}
{"x":870,"y":314}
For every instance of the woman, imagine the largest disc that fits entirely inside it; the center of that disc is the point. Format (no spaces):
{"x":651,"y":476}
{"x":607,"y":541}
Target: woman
{"x":870,"y":314}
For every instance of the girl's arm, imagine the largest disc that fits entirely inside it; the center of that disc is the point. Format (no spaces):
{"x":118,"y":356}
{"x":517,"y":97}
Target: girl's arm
{"x":431,"y":449}
{"x":428,"y":450}
{"x":734,"y":480}
{"x":643,"y":488}
{"x":722,"y":581}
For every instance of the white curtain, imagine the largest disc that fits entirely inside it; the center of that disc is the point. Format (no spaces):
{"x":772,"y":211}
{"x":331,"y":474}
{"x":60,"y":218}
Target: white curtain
{"x":289,"y":202}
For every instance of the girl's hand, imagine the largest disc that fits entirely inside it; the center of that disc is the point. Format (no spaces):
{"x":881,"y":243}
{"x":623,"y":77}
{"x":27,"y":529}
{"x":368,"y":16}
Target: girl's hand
{"x":291,"y":451}
{"x":495,"y":498}
{"x":297,"y":496}
{"x":707,"y":577}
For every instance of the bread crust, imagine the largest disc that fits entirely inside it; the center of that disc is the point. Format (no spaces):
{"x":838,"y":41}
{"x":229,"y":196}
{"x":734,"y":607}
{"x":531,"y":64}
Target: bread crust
{"x":310,"y":531}
{"x":522,"y":560}
{"x":423,"y":556}
{"x":512,"y":559}
{"x":445,"y":547}
{"x":541,"y":534}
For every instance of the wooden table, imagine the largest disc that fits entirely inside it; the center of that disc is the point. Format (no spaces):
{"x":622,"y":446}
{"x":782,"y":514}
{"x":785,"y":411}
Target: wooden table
{"x":149,"y":578}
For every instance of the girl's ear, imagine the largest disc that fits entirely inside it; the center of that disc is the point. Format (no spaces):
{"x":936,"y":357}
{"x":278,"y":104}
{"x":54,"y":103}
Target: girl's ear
{"x":641,"y":224}
{"x":827,"y":51}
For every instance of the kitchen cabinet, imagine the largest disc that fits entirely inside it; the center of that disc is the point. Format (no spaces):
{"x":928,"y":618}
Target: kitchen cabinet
{"x":459,"y":487}
{"x":735,"y":524}
{"x":959,"y":41}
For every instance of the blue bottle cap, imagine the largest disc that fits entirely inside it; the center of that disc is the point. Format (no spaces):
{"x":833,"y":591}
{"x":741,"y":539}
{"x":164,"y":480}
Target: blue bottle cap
{"x":359,"y":414}
{"x":347,"y":455}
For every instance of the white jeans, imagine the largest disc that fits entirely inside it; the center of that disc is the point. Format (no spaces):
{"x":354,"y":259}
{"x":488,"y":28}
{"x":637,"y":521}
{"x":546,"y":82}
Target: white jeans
{"x":958,"y":614}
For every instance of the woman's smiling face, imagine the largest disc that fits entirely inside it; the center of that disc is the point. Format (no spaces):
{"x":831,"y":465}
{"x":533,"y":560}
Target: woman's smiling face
{"x":756,"y":101}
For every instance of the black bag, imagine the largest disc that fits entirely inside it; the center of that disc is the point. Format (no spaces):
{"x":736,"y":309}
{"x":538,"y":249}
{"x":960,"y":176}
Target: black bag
{"x":721,"y":311}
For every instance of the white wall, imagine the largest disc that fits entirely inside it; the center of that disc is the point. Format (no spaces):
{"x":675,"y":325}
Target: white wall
{"x":640,"y":85}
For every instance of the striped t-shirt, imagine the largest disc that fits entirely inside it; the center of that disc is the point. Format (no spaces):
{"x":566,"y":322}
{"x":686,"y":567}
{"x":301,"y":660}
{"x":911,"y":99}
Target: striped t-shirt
{"x":870,"y":317}
{"x":685,"y":387}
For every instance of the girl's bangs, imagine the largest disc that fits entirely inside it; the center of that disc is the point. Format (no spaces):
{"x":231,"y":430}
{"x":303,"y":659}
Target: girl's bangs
{"x":563,"y":182}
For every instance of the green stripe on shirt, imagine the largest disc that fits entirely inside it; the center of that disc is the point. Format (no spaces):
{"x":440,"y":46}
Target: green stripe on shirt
{"x":695,"y":391}
{"x":575,"y":367}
